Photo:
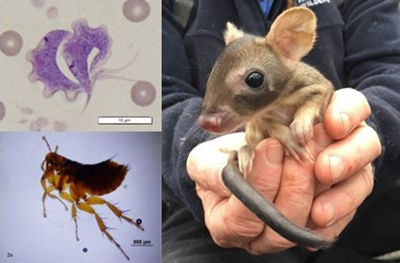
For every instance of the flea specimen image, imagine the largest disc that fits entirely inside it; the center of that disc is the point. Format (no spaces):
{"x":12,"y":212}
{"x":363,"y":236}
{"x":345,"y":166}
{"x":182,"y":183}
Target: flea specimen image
{"x":82,"y":185}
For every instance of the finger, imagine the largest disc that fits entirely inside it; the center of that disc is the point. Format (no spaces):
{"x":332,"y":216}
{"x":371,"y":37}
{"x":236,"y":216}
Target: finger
{"x":265,"y":177}
{"x":296,"y":191}
{"x":322,"y":140}
{"x":207,"y":160}
{"x":345,"y":157}
{"x":294,"y":200}
{"x":335,"y":204}
{"x":267,"y":167}
{"x":268,"y":242}
{"x":238,"y":225}
{"x":232,"y":229}
{"x":334,"y":230}
{"x":347,"y":109}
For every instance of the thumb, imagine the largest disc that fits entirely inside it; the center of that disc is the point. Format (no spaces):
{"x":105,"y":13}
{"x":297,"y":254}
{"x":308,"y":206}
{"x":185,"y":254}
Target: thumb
{"x":265,"y":178}
{"x":267,"y":168}
{"x":347,"y":109}
{"x":207,"y":160}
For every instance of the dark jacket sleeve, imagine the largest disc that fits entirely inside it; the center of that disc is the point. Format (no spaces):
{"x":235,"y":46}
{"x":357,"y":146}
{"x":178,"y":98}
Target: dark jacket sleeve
{"x":180,"y":108}
{"x":372,"y":64}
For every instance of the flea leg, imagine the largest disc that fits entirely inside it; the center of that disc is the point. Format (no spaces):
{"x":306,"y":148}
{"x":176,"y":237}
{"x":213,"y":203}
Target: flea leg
{"x":47,"y":192}
{"x":103,"y":228}
{"x":95,"y":200}
{"x":73,"y":214}
{"x":69,"y":198}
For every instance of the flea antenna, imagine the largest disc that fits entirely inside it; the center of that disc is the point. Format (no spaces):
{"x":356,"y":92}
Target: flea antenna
{"x":48,"y":145}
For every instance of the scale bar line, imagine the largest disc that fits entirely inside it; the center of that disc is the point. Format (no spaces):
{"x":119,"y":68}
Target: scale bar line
{"x":125,"y":120}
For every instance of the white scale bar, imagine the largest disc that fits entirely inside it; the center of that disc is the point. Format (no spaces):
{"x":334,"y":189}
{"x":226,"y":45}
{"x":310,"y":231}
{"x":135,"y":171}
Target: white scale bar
{"x":146,"y":120}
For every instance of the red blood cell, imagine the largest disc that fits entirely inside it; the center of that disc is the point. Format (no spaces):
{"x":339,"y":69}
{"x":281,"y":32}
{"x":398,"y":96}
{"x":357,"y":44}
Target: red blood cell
{"x":52,"y":12}
{"x":136,"y":10}
{"x":10,"y":43}
{"x":143,"y":93}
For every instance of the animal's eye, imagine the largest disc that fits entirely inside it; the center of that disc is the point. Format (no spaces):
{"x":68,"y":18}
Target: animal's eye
{"x":255,"y":79}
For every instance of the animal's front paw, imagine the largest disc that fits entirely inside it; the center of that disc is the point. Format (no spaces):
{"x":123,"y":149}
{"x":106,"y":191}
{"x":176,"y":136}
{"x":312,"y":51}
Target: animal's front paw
{"x":245,"y":157}
{"x":302,"y":130}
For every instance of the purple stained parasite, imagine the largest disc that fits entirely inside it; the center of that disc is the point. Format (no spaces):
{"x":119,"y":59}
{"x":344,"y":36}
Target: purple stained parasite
{"x":75,"y":48}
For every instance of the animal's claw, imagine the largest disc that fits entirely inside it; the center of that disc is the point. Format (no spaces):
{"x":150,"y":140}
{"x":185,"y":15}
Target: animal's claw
{"x":246,"y":155}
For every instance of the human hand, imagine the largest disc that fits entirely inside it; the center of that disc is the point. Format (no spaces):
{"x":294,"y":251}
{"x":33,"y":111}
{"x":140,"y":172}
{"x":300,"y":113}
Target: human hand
{"x":230,"y":223}
{"x":288,"y":183}
{"x":346,"y":147}
{"x":346,"y":163}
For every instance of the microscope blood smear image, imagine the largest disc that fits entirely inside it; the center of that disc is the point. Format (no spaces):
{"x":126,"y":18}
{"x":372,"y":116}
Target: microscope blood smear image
{"x":76,"y":47}
{"x":72,"y":63}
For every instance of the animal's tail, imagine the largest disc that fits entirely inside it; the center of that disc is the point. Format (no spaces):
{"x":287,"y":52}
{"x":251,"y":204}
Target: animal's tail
{"x":267,"y":212}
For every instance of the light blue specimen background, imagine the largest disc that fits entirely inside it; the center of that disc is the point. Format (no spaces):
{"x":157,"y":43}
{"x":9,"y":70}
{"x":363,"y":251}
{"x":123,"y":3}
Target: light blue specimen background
{"x":30,"y":237}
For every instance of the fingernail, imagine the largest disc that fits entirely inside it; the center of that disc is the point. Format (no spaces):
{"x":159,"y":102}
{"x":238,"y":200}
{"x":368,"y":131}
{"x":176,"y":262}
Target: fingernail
{"x":274,"y":154}
{"x":329,"y":211}
{"x":336,"y":167}
{"x":345,"y":122}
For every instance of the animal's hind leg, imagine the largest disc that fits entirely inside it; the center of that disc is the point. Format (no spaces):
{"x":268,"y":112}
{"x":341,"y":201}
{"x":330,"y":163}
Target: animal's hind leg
{"x":95,"y":200}
{"x":103,"y":228}
{"x":69,"y":198}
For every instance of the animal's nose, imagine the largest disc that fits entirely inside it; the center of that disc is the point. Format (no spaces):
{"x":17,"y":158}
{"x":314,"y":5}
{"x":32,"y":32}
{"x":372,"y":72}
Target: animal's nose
{"x":210,"y":122}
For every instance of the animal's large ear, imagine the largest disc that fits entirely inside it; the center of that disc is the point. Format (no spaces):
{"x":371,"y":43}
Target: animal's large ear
{"x":292,"y":34}
{"x":232,"y":33}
